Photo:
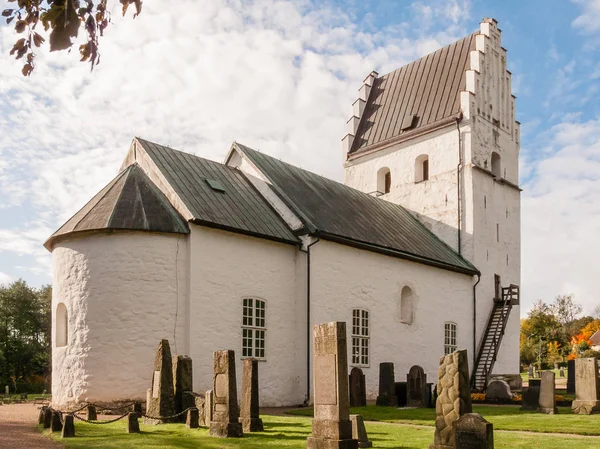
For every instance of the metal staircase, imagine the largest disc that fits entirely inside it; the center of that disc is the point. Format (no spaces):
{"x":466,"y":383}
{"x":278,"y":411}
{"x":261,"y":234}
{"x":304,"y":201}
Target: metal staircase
{"x":492,"y":338}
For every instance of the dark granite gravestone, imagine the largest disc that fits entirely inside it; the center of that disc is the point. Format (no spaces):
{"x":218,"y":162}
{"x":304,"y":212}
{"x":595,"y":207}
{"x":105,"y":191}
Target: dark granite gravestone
{"x":498,"y":391}
{"x":471,"y":431}
{"x":160,"y":400}
{"x":226,"y":413}
{"x":249,"y":415}
{"x":530,"y":398}
{"x":387,"y":396}
{"x":192,"y":420}
{"x":548,"y":394}
{"x":331,"y":426}
{"x":133,"y":425}
{"x":571,"y":377}
{"x":416,"y":379}
{"x":358,"y":389}
{"x":68,"y":430}
{"x":47,"y":418}
{"x":92,"y":414}
{"x":429,"y":396}
{"x":587,"y":387}
{"x":359,"y":433}
{"x":183,"y":383}
{"x":535,"y":383}
{"x":400,"y":388}
{"x":56,"y":423}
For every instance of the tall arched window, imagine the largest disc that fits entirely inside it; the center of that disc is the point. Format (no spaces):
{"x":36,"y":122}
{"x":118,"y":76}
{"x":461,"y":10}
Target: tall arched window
{"x":61,"y":330}
{"x":406,"y":305}
{"x":384,"y":180}
{"x":422,"y":168}
{"x":496,"y":165}
{"x":254,"y":328}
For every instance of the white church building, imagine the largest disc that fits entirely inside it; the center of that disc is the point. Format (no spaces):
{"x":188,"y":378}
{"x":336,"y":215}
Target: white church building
{"x":418,"y":251}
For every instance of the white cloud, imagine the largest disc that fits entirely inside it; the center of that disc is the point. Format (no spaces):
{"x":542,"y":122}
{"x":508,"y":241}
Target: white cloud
{"x":589,"y":20}
{"x":5,"y":279}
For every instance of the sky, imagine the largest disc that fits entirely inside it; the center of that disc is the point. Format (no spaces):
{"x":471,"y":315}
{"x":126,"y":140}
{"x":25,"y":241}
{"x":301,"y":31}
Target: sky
{"x":280,"y":76}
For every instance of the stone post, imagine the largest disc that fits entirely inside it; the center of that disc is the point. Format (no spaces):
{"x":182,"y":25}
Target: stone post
{"x":249,"y":416}
{"x":68,"y":430}
{"x":226,"y":413}
{"x":586,"y":387}
{"x":133,"y":425}
{"x":42,"y":414}
{"x":548,"y":394}
{"x":56,"y":424}
{"x":47,"y":418}
{"x":387,"y":385}
{"x":92,"y":414}
{"x":161,"y":400}
{"x":183,"y":384}
{"x":331,"y":426}
{"x":192,"y":418}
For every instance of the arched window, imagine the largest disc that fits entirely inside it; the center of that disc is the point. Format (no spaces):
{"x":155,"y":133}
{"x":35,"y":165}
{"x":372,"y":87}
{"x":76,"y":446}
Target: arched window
{"x":406,"y":305}
{"x":384,"y":180}
{"x":61,"y":330}
{"x":422,"y":168}
{"x":496,"y":165}
{"x":360,"y":337}
{"x":254,"y":328}
{"x":449,"y":337}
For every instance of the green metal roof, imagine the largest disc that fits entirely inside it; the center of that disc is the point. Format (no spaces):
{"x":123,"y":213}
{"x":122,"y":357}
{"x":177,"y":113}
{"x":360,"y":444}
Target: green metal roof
{"x":340,"y":213}
{"x":217,"y":195}
{"x":130,"y":201}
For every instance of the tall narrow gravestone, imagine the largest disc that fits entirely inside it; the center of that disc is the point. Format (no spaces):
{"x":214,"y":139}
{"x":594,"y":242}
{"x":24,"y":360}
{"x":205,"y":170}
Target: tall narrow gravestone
{"x":454,"y":397}
{"x":183,"y":382}
{"x":226,"y":413}
{"x":249,"y":416}
{"x":387,"y":387}
{"x":571,"y":377}
{"x":416,"y":380}
{"x":548,"y":394}
{"x":331,"y":426}
{"x":586,"y":387}
{"x":358,"y":389}
{"x":161,"y":397}
{"x":471,"y":431}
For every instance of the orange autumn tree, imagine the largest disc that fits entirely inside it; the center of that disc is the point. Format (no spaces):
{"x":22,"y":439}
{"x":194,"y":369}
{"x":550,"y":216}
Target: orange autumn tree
{"x":581,"y":342}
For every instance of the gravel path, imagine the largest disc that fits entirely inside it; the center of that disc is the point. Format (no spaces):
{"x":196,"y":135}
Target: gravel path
{"x":18,"y":428}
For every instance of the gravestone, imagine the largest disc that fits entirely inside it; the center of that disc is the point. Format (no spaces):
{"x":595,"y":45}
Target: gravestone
{"x":358,"y":389}
{"x":530,"y":398}
{"x":416,"y":380}
{"x":387,"y":396}
{"x":92,"y":414}
{"x":429,"y":396}
{"x":56,"y":423}
{"x":331,"y":426}
{"x":498,"y":391}
{"x":226,"y":413}
{"x":249,"y":416}
{"x":535,"y":383}
{"x":209,"y":400}
{"x":471,"y":431}
{"x":192,"y":420}
{"x":182,"y":384}
{"x":6,"y":392}
{"x":587,"y":387}
{"x":133,"y":425}
{"x":530,"y":371}
{"x":47,"y":418}
{"x":161,"y":400}
{"x":400,"y":389}
{"x":453,"y":397}
{"x":571,"y":377}
{"x":548,"y":394}
{"x":359,"y":433}
{"x":68,"y":430}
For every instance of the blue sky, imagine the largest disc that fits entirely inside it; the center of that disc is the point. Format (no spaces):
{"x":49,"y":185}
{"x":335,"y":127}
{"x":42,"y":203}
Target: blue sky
{"x":281,"y":76}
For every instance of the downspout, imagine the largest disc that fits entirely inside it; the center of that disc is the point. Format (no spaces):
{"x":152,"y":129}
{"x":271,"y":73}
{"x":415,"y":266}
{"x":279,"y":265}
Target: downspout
{"x":475,"y":321}
{"x":308,"y":333}
{"x":458,"y":168}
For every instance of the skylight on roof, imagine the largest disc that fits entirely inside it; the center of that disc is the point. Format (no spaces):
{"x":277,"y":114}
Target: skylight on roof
{"x":215,"y":185}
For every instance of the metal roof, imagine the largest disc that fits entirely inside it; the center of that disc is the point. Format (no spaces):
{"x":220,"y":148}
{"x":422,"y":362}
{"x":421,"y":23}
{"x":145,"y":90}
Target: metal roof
{"x":340,"y":213}
{"x":131,"y":201}
{"x":217,"y":195}
{"x":417,"y":95}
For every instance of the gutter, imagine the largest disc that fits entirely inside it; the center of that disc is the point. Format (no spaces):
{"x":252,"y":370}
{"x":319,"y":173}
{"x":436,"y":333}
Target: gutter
{"x":458,"y":168}
{"x":308,"y":333}
{"x":475,"y":321}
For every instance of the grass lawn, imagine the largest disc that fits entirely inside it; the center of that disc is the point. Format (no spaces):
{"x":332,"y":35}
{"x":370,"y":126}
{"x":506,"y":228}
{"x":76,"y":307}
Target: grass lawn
{"x":506,"y":417}
{"x":290,"y":432}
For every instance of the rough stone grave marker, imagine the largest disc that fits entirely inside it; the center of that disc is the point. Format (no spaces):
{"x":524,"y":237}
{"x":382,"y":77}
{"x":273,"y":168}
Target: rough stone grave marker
{"x":183,"y":384}
{"x":548,"y":394}
{"x":453,"y":397}
{"x":498,"y":391}
{"x":226,"y":413}
{"x":416,"y":381}
{"x":387,"y":388}
{"x":471,"y":431}
{"x":587,"y":387}
{"x":359,"y":433}
{"x":331,"y":426}
{"x":249,"y":416}
{"x":571,"y":377}
{"x":358,"y":389}
{"x":161,"y":401}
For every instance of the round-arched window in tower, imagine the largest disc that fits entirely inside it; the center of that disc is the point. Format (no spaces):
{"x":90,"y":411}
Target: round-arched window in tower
{"x":422,"y":168}
{"x":61,"y":330}
{"x":496,"y":165}
{"x":384,"y":181}
{"x":406,"y":305}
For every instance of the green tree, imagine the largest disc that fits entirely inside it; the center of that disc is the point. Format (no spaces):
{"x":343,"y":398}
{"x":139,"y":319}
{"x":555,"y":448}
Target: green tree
{"x":61,"y":21}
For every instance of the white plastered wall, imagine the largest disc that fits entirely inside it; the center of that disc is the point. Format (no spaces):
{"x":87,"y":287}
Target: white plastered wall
{"x":123,"y":292}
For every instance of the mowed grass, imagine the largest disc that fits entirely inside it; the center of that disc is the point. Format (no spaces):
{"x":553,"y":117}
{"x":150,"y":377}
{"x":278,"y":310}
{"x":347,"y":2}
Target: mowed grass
{"x":507,"y":417}
{"x":291,"y":432}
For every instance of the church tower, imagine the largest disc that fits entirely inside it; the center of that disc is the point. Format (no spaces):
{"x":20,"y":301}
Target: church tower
{"x":439,"y":136}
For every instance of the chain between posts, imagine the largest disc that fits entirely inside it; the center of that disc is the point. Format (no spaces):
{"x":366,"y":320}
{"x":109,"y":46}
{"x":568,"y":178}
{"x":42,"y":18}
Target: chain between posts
{"x":89,"y":421}
{"x":168,"y":417}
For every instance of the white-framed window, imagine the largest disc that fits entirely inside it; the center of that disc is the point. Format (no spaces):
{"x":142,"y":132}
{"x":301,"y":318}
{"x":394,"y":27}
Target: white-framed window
{"x":61,"y":326}
{"x":449,"y":338}
{"x":253,"y":328}
{"x":360,"y":337}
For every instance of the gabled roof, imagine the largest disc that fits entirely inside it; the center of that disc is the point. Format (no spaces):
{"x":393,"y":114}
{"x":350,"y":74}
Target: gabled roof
{"x":418,"y":95}
{"x":131,"y":201}
{"x":231,"y":203}
{"x":340,"y":213}
{"x":595,"y":338}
